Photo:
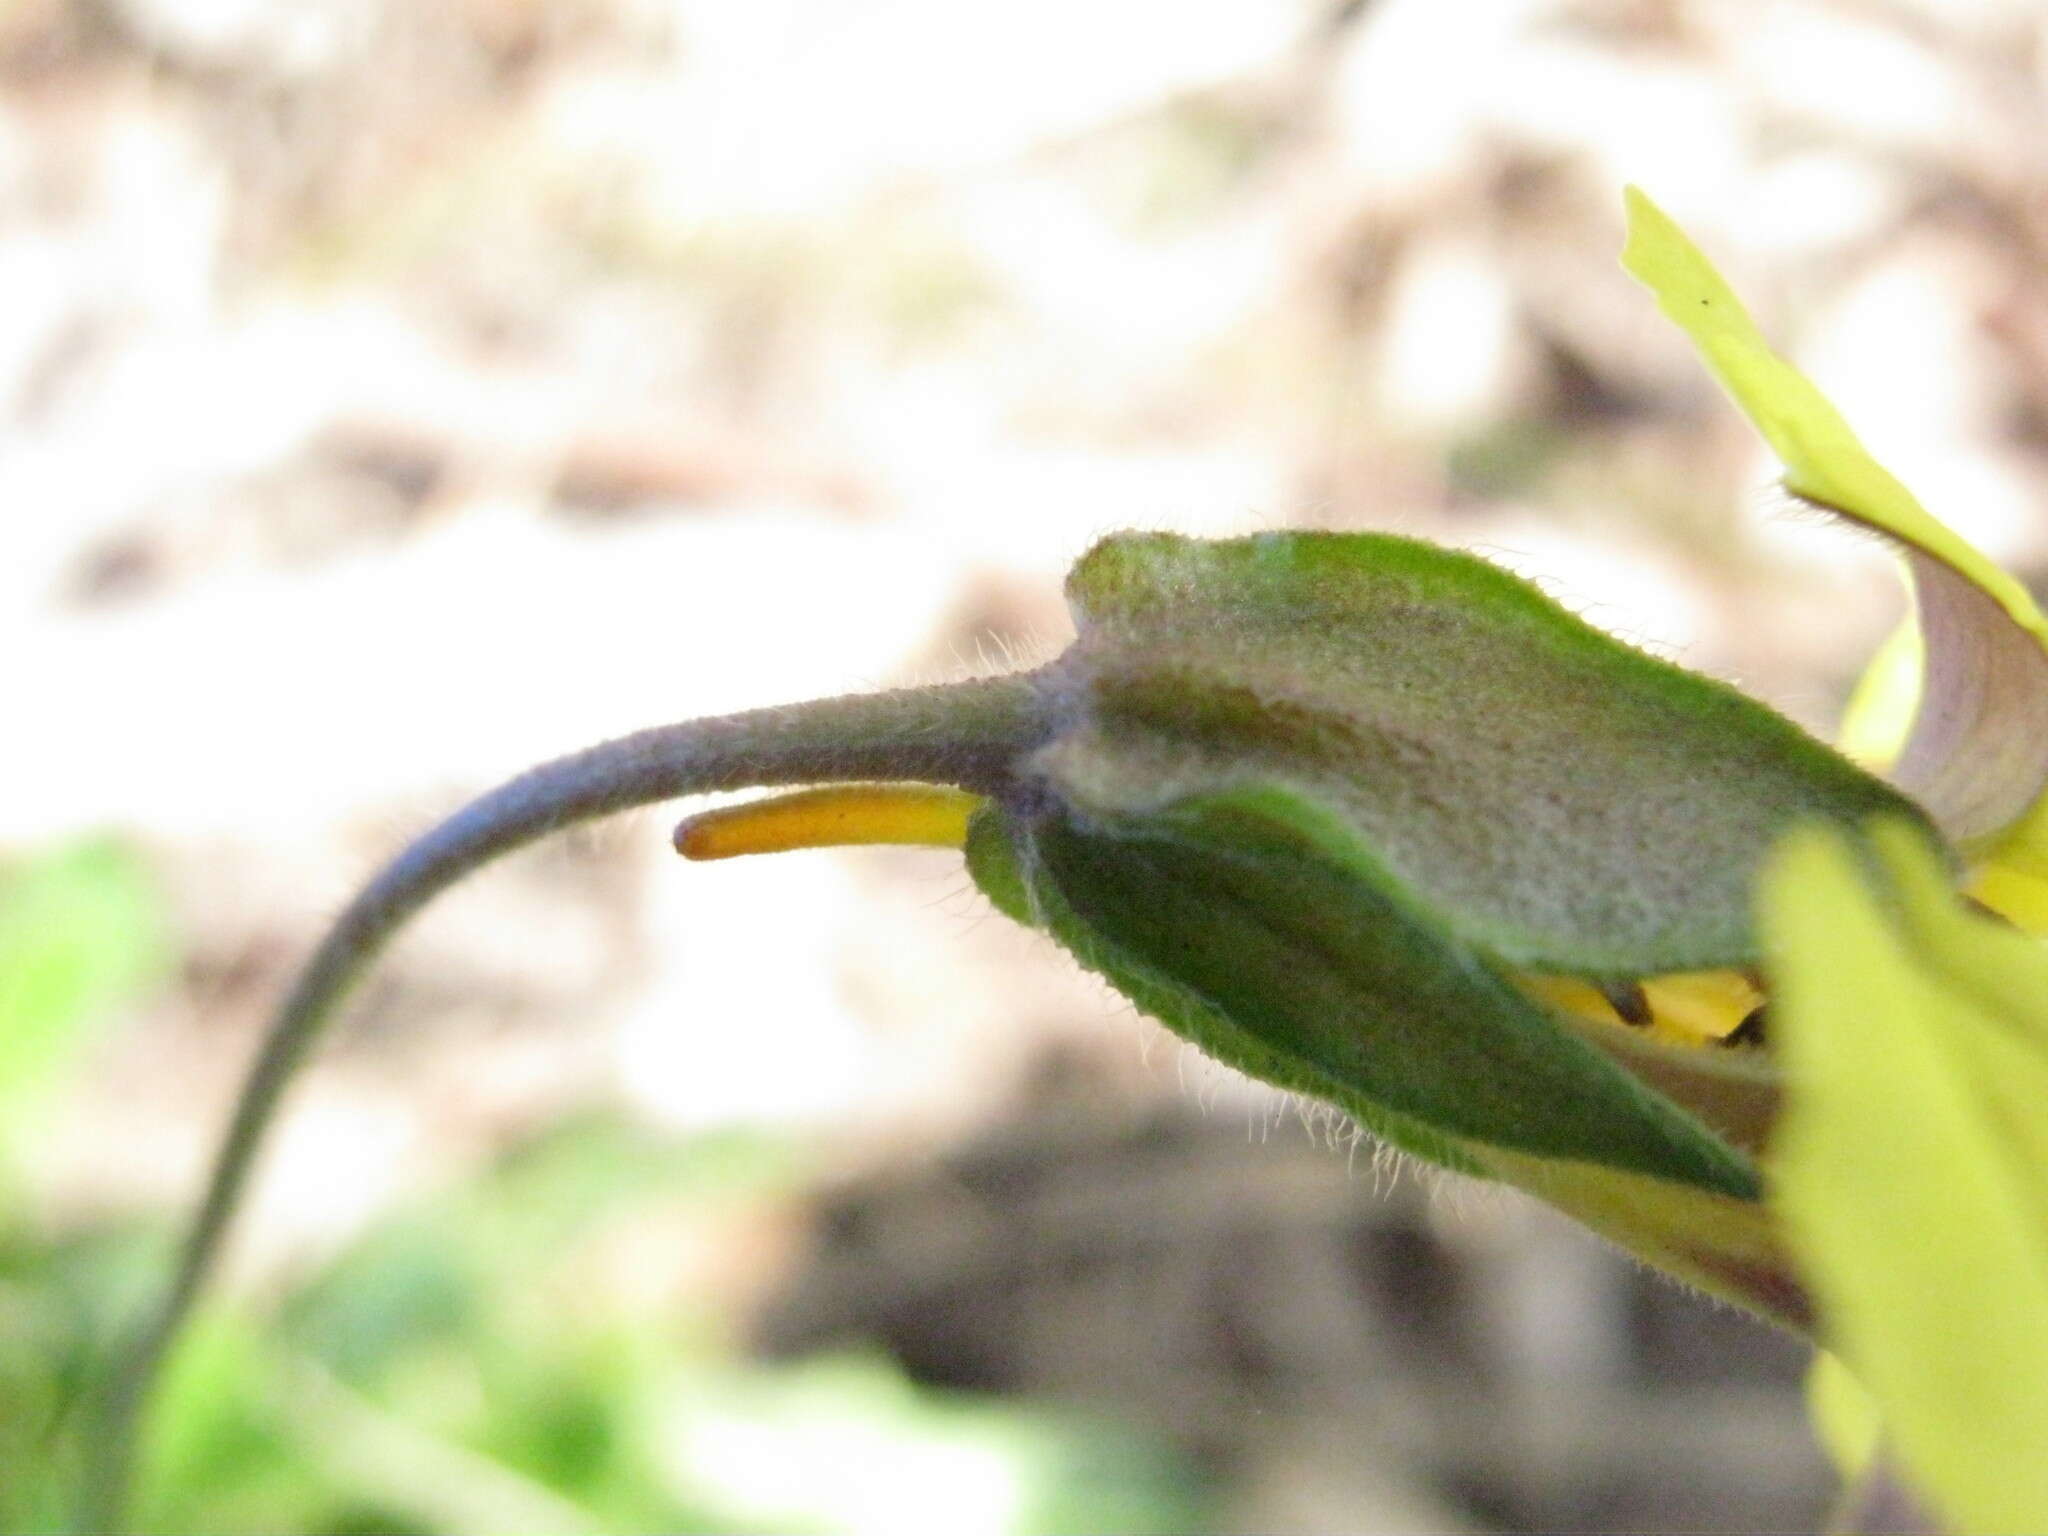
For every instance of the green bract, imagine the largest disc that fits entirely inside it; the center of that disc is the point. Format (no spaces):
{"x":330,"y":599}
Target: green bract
{"x":1311,"y":795}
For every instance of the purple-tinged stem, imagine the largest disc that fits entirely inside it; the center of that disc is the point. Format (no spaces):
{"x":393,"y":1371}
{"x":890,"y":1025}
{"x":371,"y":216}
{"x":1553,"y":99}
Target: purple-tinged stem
{"x":965,"y":734}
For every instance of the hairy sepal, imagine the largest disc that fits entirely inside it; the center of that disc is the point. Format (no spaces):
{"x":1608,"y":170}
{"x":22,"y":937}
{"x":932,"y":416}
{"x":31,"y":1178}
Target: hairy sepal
{"x":1554,"y":798}
{"x":997,"y":857}
{"x":1254,"y":922}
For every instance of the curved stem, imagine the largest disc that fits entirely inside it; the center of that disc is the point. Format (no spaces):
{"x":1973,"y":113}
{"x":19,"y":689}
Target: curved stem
{"x":966,"y":734}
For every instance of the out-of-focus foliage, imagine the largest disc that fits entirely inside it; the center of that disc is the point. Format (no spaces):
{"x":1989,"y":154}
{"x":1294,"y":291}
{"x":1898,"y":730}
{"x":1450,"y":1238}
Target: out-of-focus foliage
{"x":80,"y":931}
{"x":448,"y":1373}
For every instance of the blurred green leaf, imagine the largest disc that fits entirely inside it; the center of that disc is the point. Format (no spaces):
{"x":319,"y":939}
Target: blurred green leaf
{"x":216,"y":1459}
{"x":79,"y":930}
{"x":454,"y":1372}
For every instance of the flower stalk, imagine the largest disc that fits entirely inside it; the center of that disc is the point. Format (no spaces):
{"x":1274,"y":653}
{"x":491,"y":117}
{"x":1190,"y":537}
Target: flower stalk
{"x":964,"y":734}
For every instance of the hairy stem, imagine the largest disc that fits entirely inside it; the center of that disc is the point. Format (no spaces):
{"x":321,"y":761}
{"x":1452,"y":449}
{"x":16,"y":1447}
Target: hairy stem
{"x":965,"y":734}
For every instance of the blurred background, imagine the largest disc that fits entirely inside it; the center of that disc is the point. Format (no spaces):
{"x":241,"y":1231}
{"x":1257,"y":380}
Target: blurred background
{"x":393,"y":394}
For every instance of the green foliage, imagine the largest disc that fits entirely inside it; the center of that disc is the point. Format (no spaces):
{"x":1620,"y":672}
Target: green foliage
{"x":465,"y":1367}
{"x":79,"y":932}
{"x":449,"y":1372}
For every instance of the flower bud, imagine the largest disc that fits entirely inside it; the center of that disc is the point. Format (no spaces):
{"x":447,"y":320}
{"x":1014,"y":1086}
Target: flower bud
{"x":1317,"y":800}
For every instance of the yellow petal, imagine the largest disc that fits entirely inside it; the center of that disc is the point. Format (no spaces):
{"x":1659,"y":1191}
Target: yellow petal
{"x":1685,"y":1008}
{"x":1977,"y":754}
{"x":1878,"y":718}
{"x":2016,"y":895}
{"x":1845,"y":1420}
{"x":1702,"y":1005}
{"x":2025,"y":846}
{"x":1911,"y":1167}
{"x":837,"y":815}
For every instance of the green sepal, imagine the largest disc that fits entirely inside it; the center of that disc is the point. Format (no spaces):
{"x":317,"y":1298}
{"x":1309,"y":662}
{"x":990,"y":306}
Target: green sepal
{"x":1257,"y":924}
{"x":992,"y":859}
{"x":1557,"y":799}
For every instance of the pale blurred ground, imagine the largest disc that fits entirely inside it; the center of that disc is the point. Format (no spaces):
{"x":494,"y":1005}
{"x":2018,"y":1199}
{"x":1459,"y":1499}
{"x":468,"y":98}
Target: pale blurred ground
{"x":392,"y":395}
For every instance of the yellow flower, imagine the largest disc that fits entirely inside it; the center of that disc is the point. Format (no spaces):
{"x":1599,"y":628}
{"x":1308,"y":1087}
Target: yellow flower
{"x":1909,"y":1169}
